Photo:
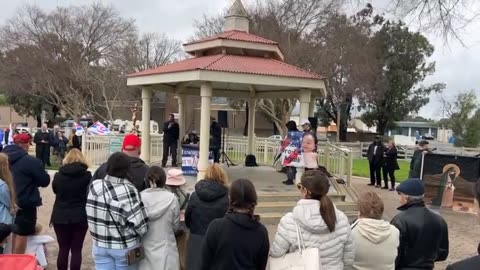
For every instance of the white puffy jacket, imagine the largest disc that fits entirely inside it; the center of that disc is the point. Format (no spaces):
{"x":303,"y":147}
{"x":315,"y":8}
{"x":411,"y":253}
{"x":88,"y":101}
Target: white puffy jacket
{"x":337,"y":251}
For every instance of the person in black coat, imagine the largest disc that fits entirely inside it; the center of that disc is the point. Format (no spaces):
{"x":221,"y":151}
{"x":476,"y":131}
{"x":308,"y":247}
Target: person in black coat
{"x":171,"y":134}
{"x":138,"y":169}
{"x":207,"y":203}
{"x":237,"y":241}
{"x":390,"y":165}
{"x":375,"y":160}
{"x":215,"y":139}
{"x":423,"y":233}
{"x":473,"y":262}
{"x":28,"y":175}
{"x":43,"y":141}
{"x":69,"y":217}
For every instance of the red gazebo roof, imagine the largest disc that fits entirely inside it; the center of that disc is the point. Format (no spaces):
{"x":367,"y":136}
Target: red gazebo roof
{"x":233,"y":64}
{"x":236,"y":35}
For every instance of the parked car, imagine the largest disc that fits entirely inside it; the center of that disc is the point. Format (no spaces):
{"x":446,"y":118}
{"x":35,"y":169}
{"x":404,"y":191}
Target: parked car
{"x":276,"y":137}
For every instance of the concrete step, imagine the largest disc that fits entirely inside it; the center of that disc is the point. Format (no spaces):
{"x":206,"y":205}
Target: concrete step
{"x":292,"y":197}
{"x":273,"y":218}
{"x":285,"y":207}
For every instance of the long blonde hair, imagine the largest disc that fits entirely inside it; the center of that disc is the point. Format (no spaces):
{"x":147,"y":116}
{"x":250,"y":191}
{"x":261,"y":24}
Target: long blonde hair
{"x":6,"y":176}
{"x":216,"y":173}
{"x":75,"y":155}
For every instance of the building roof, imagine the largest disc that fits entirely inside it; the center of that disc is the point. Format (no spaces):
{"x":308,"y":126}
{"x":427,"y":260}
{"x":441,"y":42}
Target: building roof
{"x":236,"y":35}
{"x":233,"y":64}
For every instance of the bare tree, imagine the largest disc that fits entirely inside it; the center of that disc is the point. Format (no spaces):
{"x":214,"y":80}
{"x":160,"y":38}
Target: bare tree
{"x":445,"y":17}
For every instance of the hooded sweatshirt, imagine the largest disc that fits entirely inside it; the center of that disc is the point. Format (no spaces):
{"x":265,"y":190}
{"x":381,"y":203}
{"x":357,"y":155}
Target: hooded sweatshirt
{"x":136,"y":173}
{"x":235,"y":242}
{"x":159,"y":241}
{"x":376,"y":243}
{"x":208,"y":202}
{"x":28,"y":175}
{"x":336,"y":248}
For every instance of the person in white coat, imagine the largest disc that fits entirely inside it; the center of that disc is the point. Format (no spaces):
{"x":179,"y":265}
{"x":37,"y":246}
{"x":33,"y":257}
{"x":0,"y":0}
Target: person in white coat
{"x":163,"y":213}
{"x":376,"y":240}
{"x":322,"y":225}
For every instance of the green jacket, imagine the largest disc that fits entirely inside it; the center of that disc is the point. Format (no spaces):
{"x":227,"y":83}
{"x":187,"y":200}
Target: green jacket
{"x":416,"y":164}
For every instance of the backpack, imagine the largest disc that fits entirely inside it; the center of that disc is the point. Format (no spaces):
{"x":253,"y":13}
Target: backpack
{"x":251,"y":161}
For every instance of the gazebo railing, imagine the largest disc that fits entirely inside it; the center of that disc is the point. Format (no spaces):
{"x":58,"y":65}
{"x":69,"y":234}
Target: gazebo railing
{"x":337,"y":160}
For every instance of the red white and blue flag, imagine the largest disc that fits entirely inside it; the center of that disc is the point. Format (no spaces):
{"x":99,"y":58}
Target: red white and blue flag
{"x":98,"y":129}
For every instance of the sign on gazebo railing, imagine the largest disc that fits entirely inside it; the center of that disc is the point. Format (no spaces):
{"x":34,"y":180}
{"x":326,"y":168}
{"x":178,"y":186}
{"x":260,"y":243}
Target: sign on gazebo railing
{"x":337,"y":160}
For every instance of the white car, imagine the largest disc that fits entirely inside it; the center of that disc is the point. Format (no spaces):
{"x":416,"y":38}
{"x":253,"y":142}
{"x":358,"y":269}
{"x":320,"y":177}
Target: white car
{"x":276,"y":137}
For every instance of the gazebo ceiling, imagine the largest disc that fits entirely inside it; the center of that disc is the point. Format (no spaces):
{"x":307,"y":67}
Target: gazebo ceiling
{"x":236,"y":63}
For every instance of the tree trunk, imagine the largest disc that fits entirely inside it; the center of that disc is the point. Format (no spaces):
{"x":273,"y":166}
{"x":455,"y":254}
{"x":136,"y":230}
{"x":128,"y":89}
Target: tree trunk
{"x":39,"y":121}
{"x":247,"y":112}
{"x":381,"y":127}
{"x":275,"y":129}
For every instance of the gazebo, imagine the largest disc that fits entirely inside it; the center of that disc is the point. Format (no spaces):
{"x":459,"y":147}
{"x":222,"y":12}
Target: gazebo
{"x":233,"y":64}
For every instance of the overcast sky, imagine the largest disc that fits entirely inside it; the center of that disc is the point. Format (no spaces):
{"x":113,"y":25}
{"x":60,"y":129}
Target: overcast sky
{"x":457,"y":66}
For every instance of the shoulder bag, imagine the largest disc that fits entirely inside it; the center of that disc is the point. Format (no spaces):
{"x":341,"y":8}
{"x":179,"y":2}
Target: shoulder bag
{"x":134,"y":255}
{"x":302,"y":259}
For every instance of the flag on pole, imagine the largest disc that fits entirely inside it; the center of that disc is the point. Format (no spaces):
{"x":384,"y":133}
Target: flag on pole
{"x":98,"y":129}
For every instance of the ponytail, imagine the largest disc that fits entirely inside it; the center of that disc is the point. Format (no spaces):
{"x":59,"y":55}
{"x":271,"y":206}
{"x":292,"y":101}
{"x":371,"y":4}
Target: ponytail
{"x":327,"y":210}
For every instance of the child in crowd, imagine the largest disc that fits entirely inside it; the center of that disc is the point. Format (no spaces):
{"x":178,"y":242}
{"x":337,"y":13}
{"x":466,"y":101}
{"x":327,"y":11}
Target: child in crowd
{"x":5,"y":231}
{"x":310,"y":156}
{"x":36,"y":244}
{"x":176,"y":183}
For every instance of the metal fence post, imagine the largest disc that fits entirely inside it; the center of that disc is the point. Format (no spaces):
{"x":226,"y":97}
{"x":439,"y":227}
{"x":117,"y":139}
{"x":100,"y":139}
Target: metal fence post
{"x":349,"y":168}
{"x":326,"y":153}
{"x":265,"y":152}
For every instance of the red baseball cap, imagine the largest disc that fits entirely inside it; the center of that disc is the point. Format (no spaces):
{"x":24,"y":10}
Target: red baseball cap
{"x":21,"y":138}
{"x":131,"y":142}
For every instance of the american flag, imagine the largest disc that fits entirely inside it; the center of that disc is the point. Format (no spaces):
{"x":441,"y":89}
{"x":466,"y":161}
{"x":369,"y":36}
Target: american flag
{"x":98,"y":129}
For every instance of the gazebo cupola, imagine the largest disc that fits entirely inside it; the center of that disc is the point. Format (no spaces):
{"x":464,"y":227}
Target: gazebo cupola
{"x":236,"y":39}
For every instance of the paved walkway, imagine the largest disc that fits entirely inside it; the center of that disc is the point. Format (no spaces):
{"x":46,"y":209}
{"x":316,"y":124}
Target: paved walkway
{"x":463,"y":228}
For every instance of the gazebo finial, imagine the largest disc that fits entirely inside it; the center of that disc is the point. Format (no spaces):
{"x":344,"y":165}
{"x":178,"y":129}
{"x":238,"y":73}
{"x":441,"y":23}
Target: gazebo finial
{"x":237,"y":18}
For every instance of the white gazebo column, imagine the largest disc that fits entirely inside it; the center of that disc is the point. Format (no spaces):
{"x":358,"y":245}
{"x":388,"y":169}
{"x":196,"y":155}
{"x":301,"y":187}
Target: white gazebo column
{"x":305,"y":98}
{"x":206,"y":96}
{"x":181,"y":122}
{"x":252,"y":103}
{"x":146,"y":103}
{"x":311,"y":108}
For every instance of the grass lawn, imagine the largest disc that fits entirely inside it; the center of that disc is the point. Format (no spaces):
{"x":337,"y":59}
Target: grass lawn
{"x":361,"y":168}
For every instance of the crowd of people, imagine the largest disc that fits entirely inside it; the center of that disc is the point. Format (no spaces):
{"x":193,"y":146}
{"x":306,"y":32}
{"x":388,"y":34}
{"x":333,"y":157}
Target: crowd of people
{"x":141,"y":217}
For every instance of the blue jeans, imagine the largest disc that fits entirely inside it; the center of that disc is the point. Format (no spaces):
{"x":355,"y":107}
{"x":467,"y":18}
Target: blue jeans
{"x":111,"y":259}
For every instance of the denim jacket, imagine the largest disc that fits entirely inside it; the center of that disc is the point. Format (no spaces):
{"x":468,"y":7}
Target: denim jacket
{"x":5,"y":216}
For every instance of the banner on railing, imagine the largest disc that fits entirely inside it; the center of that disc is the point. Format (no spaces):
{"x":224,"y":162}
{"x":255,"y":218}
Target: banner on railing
{"x":190,"y":157}
{"x":115,"y":144}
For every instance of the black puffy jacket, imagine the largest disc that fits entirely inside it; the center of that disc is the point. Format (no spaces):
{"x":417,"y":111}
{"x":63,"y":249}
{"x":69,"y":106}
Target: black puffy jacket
{"x":28,"y":175}
{"x":208,"y":202}
{"x":70,"y":186}
{"x":423,"y":237}
{"x":136,"y":173}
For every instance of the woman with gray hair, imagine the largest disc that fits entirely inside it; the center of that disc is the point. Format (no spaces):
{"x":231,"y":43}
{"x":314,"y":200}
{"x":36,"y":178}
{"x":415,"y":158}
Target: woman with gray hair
{"x":376,"y":241}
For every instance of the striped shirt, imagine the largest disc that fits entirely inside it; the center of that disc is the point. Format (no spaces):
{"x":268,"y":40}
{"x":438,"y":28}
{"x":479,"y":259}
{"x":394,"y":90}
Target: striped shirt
{"x":125,"y":206}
